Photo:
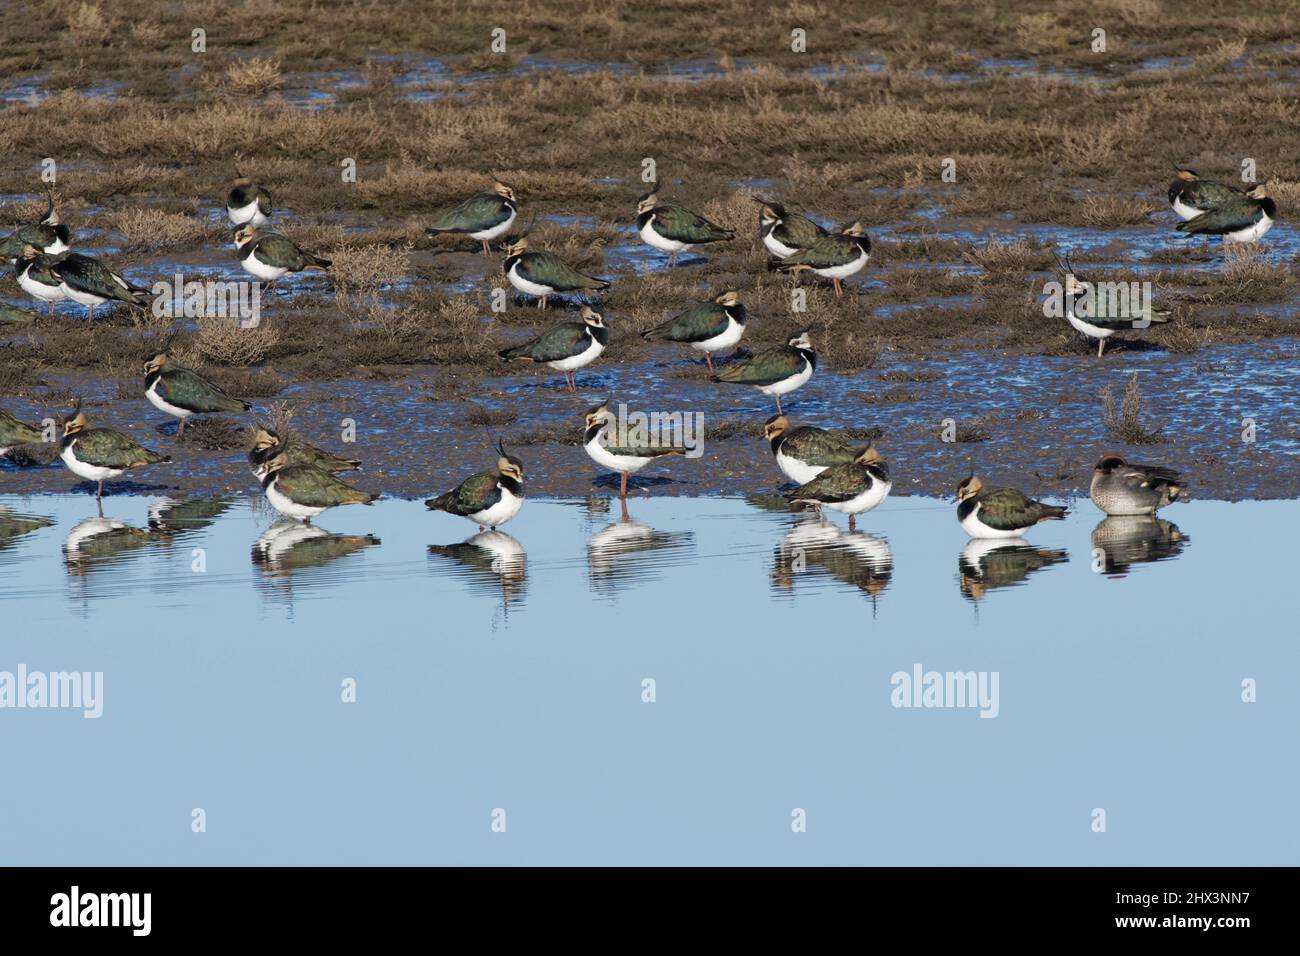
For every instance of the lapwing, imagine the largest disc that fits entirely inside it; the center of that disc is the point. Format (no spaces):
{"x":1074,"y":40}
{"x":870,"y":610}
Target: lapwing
{"x":850,"y":488}
{"x":1123,"y":488}
{"x":483,"y":216}
{"x":90,"y":282}
{"x":833,"y":257}
{"x":775,"y":371}
{"x":709,"y":327}
{"x":98,"y":454}
{"x":540,"y":273}
{"x":624,"y":453}
{"x":35,"y":274}
{"x":1241,"y":219}
{"x":14,"y":433}
{"x":270,"y":256}
{"x":804,"y":452}
{"x":268,"y":444}
{"x":671,"y":227}
{"x":48,"y":236}
{"x":249,"y":203}
{"x":1099,"y":317}
{"x":182,"y":392}
{"x":304,"y":491}
{"x":784,"y":233}
{"x":1191,"y":196}
{"x":491,"y":558}
{"x":566,"y":347}
{"x":1000,"y":512}
{"x":489,"y":499}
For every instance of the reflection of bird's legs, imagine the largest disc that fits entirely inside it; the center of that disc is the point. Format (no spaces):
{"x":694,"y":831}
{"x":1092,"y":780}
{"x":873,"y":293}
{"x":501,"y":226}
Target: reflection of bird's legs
{"x":626,"y":516}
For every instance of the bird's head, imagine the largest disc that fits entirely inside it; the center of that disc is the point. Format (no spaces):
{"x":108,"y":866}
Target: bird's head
{"x":502,"y":190}
{"x":969,"y":488}
{"x":647,"y":202}
{"x":592,"y":318}
{"x":156,"y":363}
{"x":728,"y":299}
{"x":75,"y":424}
{"x":508,"y":466}
{"x":800,"y":340}
{"x":1109,"y":462}
{"x":775,"y":427}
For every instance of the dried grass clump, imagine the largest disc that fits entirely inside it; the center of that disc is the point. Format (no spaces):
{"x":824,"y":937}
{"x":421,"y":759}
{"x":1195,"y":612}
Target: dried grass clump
{"x":364,"y":268}
{"x":86,"y":25}
{"x":1125,"y":423}
{"x":254,"y":77}
{"x":223,"y":342}
{"x":1019,"y":255}
{"x":156,"y":229}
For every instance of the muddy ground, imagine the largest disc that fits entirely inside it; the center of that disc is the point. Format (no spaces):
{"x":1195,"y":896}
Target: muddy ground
{"x":1057,"y":149}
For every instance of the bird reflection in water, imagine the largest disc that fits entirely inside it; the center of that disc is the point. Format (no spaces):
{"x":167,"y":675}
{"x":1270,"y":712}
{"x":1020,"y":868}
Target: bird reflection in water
{"x":986,"y":564}
{"x":1121,"y":541}
{"x":818,"y":547}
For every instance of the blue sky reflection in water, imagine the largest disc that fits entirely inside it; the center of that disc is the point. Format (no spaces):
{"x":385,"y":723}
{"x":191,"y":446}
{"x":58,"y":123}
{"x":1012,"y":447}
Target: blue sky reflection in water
{"x":507,"y":672}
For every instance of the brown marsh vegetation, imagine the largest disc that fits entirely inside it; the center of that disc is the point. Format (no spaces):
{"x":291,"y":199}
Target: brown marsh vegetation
{"x":1052,"y":143}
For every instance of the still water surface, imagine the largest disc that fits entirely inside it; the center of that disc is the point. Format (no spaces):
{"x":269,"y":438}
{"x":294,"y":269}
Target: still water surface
{"x":507,"y":671}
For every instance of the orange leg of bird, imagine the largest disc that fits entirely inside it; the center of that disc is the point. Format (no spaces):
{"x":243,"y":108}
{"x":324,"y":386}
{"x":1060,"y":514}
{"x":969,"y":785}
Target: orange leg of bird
{"x":90,"y":312}
{"x":100,"y":492}
{"x":1101,"y":347}
{"x":853,"y":522}
{"x":778,"y":406}
{"x":839,"y":292}
{"x":708,"y":357}
{"x":622,"y":487}
{"x":51,"y":310}
{"x":487,"y":250}
{"x":181,"y":431}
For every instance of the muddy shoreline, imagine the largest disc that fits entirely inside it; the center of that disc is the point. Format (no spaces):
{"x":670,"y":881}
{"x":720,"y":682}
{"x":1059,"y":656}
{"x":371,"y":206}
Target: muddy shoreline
{"x":1028,"y":420}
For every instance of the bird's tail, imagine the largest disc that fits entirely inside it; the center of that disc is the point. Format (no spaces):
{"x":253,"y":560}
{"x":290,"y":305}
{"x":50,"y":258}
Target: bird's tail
{"x":440,"y":503}
{"x":317,"y":262}
{"x":1052,"y":513}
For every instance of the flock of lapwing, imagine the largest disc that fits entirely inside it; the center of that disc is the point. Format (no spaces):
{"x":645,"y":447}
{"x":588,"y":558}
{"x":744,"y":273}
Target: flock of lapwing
{"x":301,"y":481}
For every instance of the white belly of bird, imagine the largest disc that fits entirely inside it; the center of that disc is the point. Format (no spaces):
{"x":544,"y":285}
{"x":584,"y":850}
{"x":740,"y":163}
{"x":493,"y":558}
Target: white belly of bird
{"x":286,"y":506}
{"x":80,"y":297}
{"x":524,"y":285}
{"x":846,"y":270}
{"x":256,"y":267}
{"x":84,"y":469}
{"x":624,"y":463}
{"x":778,"y":249}
{"x":163,"y":405}
{"x":1093,"y":331}
{"x":494,"y":231}
{"x":246,"y":214}
{"x":1253,"y":231}
{"x":797,"y":471}
{"x":502,"y":511}
{"x":724,"y":339}
{"x":788,"y":384}
{"x":39,"y":290}
{"x":1185,"y":211}
{"x":650,"y":237}
{"x":976,"y":528}
{"x":586,"y":357}
{"x":863,"y":502}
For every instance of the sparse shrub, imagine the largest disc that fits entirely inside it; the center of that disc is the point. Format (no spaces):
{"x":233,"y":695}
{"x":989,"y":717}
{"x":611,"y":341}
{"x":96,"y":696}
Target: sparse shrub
{"x":254,"y":77}
{"x":1125,"y":423}
{"x":223,"y":342}
{"x":86,"y":25}
{"x":156,"y":229}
